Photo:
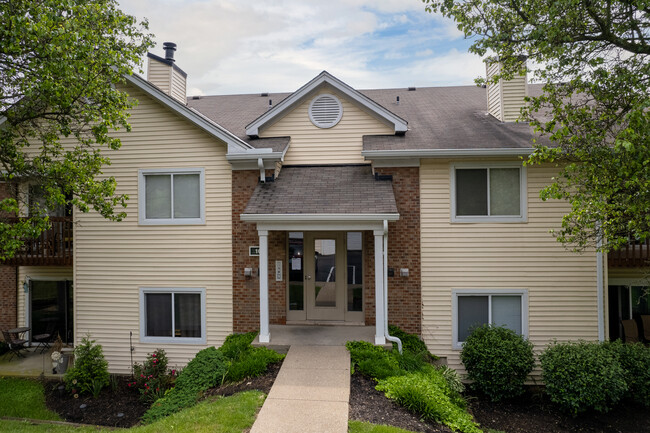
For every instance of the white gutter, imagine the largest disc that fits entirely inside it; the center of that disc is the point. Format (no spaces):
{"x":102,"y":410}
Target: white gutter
{"x":600,"y":283}
{"x":260,"y":165}
{"x":445,"y":153}
{"x":318,"y":217}
{"x":386,"y":334}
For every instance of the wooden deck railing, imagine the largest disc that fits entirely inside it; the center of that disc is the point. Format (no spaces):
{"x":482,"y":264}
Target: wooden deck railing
{"x":52,"y":248}
{"x":633,"y":255}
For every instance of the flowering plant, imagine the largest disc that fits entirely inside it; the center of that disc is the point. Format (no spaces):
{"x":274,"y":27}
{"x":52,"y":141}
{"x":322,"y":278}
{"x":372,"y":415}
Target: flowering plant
{"x":152,"y":378}
{"x":56,"y":356}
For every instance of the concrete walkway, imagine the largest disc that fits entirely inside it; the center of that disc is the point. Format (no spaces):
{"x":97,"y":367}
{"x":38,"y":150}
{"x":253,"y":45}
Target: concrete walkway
{"x":310,"y":394}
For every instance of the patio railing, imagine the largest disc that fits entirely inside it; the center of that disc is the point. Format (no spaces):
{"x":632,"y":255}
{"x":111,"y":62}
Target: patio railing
{"x":633,"y":255}
{"x":52,"y":248}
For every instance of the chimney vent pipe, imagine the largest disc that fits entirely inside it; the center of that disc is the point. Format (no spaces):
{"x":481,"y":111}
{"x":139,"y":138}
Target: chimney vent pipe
{"x":169,"y":48}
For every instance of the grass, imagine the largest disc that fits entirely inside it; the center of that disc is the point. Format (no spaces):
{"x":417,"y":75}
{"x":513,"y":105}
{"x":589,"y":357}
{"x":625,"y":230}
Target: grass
{"x":21,"y":398}
{"x":366,"y":427}
{"x":219,"y":415}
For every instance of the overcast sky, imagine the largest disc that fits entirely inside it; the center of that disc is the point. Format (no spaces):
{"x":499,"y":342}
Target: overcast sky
{"x":236,"y":46}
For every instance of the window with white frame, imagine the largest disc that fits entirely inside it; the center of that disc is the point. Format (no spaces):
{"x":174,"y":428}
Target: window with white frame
{"x":172,"y":315}
{"x":172,"y":196}
{"x":471,"y":308}
{"x":494,"y":192}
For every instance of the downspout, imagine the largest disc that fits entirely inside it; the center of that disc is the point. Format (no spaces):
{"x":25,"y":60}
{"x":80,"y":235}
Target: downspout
{"x":260,"y":165}
{"x":600,"y":283}
{"x":385,"y":254}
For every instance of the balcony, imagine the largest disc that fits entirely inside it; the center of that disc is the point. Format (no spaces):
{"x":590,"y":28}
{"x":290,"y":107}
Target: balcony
{"x":52,"y":248}
{"x":633,"y":255}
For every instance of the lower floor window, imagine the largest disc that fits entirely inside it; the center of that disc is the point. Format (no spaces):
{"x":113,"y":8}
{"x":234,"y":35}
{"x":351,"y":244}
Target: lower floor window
{"x":476,"y":308}
{"x":173,"y":315}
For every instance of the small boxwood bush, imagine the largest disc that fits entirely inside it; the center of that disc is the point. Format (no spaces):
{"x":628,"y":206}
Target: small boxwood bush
{"x":244,"y":360}
{"x":634,"y":358}
{"x":580,"y":376}
{"x":427,"y":394}
{"x":90,"y":371}
{"x":498,"y":361}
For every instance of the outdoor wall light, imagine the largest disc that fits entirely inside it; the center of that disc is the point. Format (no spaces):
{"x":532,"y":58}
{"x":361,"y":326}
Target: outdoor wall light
{"x":248,"y":272}
{"x":404,"y":272}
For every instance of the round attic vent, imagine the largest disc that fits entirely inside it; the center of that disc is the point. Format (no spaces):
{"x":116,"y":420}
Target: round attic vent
{"x":325,"y":111}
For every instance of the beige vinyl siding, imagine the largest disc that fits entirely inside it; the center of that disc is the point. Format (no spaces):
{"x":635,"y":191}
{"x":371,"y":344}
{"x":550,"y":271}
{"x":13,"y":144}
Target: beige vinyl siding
{"x":562,"y":295}
{"x":113,"y":260}
{"x":179,"y":88}
{"x":513,"y":94}
{"x":159,"y":74}
{"x":340,"y":144}
{"x":494,"y":92}
{"x":51,"y":273}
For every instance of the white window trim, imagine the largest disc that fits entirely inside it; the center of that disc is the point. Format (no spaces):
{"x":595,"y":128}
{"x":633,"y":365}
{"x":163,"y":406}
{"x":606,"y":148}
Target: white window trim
{"x":170,"y":340}
{"x":523,"y":193}
{"x":142,"y":200}
{"x":486,"y":292}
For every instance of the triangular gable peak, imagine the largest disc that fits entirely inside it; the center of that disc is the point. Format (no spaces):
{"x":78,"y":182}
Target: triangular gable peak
{"x":398,"y":124}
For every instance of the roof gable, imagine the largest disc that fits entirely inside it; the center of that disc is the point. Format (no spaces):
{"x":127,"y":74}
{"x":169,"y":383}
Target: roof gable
{"x":400,"y":125}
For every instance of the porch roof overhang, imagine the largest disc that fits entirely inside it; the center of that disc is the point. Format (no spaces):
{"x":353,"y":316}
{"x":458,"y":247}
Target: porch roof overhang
{"x":345,"y":197}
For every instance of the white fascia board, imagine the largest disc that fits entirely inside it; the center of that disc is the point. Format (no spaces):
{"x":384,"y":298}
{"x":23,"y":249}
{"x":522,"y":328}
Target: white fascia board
{"x":318,"y":217}
{"x":444,"y":153}
{"x":235,"y":144}
{"x":400,"y":125}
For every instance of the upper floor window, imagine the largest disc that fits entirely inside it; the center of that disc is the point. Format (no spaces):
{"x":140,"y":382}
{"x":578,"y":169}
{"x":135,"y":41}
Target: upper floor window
{"x":494,"y":192}
{"x":172,"y":196}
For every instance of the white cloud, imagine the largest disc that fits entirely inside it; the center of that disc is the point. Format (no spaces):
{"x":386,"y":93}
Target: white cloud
{"x":229,"y":46}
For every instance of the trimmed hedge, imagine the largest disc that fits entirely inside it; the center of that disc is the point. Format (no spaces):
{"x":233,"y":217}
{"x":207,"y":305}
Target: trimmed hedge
{"x":498,"y":361}
{"x":580,"y":376}
{"x":635,"y":360}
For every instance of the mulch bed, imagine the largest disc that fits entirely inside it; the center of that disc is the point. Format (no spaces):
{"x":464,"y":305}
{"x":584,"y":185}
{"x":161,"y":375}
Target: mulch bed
{"x":531,"y":413}
{"x":106,"y":409}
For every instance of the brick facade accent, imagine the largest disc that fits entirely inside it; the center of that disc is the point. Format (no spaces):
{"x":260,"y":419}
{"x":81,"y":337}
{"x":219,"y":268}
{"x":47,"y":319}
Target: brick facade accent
{"x":8,"y":282}
{"x":405,"y":293}
{"x":404,"y":296}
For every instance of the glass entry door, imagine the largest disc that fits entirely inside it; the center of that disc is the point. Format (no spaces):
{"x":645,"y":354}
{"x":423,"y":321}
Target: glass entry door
{"x":324,"y":275}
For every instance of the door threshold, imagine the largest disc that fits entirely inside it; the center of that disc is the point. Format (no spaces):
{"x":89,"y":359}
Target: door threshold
{"x":324,"y":323}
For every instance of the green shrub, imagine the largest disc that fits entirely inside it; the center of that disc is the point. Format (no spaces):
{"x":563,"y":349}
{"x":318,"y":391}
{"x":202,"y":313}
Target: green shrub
{"x":373,"y":361}
{"x":427,"y":394}
{"x":244,"y":360}
{"x":90,"y":371}
{"x":452,"y":378}
{"x":580,"y":376}
{"x":635,"y":360}
{"x":411,"y":343}
{"x":498,"y":361}
{"x":207,"y":369}
{"x":152,"y":378}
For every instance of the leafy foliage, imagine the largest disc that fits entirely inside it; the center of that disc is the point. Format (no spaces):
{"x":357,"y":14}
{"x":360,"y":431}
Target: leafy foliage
{"x":243,"y":360}
{"x":206,"y":370}
{"x":594,"y":57}
{"x":153,"y":378}
{"x":90,"y":371}
{"x":634,"y":358}
{"x":427,"y":394}
{"x":498,"y":360}
{"x":61,"y":66}
{"x":580,"y":376}
{"x":373,"y":361}
{"x":411,"y":343}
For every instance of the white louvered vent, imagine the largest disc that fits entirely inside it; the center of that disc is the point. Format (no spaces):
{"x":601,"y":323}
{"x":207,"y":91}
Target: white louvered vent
{"x":325,"y":111}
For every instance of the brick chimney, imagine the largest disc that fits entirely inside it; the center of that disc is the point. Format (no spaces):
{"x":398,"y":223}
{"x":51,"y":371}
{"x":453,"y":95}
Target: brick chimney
{"x":164,"y":74}
{"x":505,"y":98}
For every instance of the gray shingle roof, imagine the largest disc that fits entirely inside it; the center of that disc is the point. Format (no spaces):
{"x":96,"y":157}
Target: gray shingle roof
{"x":333,"y":189}
{"x":438,"y":118}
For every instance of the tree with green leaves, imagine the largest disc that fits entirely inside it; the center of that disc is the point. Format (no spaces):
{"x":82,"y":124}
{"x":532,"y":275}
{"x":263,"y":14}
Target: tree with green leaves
{"x":61,"y":64}
{"x":593,"y":57}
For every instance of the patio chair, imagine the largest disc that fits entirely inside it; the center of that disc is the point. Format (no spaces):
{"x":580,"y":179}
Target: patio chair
{"x":645,"y":321}
{"x":15,"y":344}
{"x":45,"y":339}
{"x":630,"y":331}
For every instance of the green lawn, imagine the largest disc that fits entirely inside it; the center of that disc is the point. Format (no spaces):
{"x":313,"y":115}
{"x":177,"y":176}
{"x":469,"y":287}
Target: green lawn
{"x":366,"y":427}
{"x":22,"y":398}
{"x":219,"y":415}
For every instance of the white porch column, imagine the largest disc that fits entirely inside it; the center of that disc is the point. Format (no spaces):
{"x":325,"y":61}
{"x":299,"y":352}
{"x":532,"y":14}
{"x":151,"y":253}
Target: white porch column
{"x":265,"y":335}
{"x":380,"y":338}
